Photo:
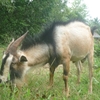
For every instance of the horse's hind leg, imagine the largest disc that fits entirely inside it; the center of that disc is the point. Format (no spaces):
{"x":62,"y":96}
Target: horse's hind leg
{"x":66,"y":63}
{"x":90,"y":64}
{"x":78,"y":65}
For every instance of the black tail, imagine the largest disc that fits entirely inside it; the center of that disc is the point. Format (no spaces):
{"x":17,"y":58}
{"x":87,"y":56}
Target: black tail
{"x":93,"y":29}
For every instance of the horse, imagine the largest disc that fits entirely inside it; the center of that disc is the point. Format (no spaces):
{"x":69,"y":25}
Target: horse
{"x":60,"y":43}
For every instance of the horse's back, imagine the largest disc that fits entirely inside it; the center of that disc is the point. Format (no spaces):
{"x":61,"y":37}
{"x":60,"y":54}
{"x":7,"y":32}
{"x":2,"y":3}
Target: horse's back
{"x":75,"y":39}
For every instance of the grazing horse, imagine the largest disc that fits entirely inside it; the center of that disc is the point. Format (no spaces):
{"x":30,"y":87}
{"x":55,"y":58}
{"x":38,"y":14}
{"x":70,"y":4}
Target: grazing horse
{"x":60,"y":43}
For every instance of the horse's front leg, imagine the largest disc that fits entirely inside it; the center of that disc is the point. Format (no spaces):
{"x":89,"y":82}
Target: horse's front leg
{"x":52,"y":70}
{"x":66,"y":67}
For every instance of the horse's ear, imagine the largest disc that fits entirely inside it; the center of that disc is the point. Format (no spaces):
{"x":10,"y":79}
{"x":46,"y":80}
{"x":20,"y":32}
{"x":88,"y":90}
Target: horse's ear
{"x":23,"y":59}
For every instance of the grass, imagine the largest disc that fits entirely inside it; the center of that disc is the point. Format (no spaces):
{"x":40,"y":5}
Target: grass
{"x":38,"y":82}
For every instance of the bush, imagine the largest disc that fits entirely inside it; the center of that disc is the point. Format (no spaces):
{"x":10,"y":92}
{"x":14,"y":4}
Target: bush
{"x":97,"y":48}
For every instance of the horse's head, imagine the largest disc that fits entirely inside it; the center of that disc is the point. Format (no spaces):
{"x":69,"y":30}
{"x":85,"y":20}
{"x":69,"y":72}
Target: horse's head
{"x":11,"y":58}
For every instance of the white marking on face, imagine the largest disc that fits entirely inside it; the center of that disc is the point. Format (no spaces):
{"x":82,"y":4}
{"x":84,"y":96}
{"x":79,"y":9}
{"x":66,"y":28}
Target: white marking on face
{"x":6,"y":68}
{"x":3,"y":78}
{"x":4,"y":56}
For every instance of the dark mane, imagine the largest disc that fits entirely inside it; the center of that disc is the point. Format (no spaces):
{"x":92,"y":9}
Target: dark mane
{"x":47,"y":36}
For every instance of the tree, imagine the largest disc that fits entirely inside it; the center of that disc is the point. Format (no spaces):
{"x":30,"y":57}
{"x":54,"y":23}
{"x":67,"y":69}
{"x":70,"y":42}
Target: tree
{"x":18,"y":16}
{"x":78,"y":10}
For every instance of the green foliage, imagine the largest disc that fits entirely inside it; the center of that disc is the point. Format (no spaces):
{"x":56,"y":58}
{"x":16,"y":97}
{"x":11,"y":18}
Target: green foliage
{"x":18,"y":16}
{"x":97,"y":48}
{"x":95,"y":22}
{"x":97,"y":54}
{"x":78,"y":10}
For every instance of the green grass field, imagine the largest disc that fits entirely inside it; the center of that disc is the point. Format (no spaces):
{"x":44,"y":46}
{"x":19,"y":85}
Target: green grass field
{"x":38,"y":82}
